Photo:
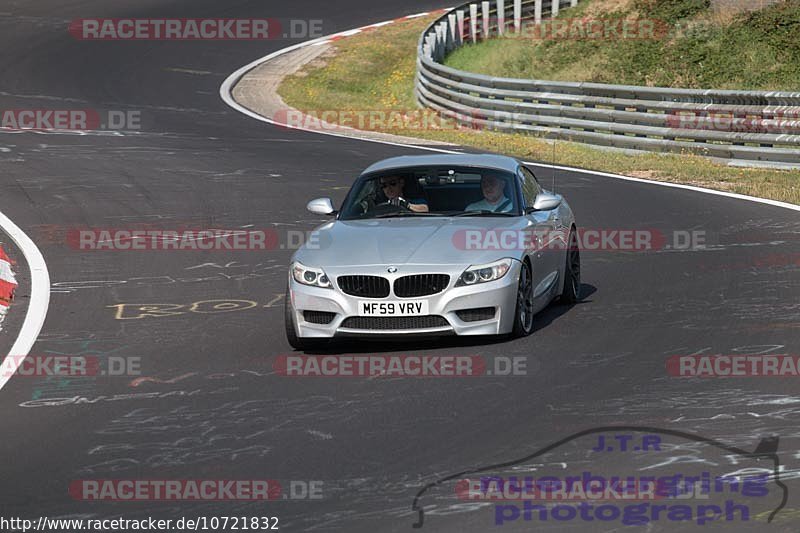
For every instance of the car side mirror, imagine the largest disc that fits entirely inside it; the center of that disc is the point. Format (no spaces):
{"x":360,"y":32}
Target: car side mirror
{"x":544,"y":202}
{"x":321,"y":206}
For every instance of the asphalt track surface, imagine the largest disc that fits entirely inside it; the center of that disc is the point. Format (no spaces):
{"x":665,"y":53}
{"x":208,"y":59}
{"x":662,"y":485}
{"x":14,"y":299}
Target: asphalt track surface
{"x":373,"y":442}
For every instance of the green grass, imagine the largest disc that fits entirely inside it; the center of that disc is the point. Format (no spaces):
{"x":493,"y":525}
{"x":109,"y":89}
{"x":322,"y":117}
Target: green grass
{"x":693,"y":46}
{"x":375,"y":71}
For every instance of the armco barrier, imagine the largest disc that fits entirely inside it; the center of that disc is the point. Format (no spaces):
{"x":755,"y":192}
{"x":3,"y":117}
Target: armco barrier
{"x":744,"y":125}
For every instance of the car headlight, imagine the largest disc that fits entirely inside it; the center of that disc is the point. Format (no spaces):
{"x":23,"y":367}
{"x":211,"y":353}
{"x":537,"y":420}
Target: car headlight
{"x":314,"y":277}
{"x":482,"y":273}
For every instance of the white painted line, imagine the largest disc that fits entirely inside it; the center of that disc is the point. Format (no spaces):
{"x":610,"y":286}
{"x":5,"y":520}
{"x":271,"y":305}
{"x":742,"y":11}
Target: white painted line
{"x":767,"y":201}
{"x":39,"y":301}
{"x":226,"y":89}
{"x":347,"y":33}
{"x":417,"y":15}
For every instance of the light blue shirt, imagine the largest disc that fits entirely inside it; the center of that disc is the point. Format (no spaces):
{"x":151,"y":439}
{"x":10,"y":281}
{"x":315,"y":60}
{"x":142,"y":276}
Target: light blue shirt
{"x":483,"y":205}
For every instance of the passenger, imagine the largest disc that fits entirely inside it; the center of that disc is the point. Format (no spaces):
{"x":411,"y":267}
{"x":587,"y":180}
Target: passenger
{"x":494,"y":198}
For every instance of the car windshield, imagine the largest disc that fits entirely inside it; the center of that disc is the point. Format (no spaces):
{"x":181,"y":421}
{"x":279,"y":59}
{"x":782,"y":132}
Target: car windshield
{"x":439,"y":191}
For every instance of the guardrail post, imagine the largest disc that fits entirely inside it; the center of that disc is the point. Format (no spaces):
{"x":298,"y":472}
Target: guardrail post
{"x":555,"y":6}
{"x":486,"y":21}
{"x":441,"y":41}
{"x":455,"y":37}
{"x":432,"y":45}
{"x":518,"y":15}
{"x":473,"y":22}
{"x":501,"y":17}
{"x":573,"y":3}
{"x":461,"y":28}
{"x":537,"y":12}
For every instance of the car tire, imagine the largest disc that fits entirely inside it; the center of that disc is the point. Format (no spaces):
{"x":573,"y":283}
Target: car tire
{"x":523,"y":314}
{"x":571,"y":293}
{"x":298,"y":343}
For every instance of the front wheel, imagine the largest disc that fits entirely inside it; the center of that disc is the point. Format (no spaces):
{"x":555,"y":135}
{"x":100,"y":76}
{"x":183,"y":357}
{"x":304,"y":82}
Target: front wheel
{"x":571,"y":292}
{"x":523,"y":317}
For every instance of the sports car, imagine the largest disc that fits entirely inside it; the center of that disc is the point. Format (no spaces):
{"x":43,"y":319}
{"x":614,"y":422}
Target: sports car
{"x":462,"y":244}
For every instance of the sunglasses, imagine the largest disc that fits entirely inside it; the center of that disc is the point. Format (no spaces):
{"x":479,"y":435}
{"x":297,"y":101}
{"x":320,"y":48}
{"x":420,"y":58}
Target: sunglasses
{"x":389,"y":184}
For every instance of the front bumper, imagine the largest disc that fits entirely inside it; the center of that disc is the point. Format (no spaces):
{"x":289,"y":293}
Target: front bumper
{"x":500,"y":294}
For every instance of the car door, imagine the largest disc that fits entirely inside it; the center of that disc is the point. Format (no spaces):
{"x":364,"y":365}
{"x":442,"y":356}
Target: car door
{"x":548,"y":249}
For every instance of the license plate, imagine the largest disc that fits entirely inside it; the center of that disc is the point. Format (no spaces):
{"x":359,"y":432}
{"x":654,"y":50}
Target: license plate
{"x":396,"y":308}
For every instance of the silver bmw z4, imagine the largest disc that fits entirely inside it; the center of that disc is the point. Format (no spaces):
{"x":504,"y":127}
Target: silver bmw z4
{"x":434,"y":245}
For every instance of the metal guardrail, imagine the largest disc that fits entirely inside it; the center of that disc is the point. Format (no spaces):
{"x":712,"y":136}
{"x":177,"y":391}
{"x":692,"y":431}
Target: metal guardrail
{"x":745,"y":125}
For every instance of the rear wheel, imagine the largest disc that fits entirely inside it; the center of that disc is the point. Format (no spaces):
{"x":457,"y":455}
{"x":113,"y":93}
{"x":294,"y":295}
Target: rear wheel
{"x":523,"y":317}
{"x":298,"y":343}
{"x":571,"y":292}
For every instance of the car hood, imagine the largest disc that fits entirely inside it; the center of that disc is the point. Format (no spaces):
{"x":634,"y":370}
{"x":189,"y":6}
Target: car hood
{"x":412,"y":240}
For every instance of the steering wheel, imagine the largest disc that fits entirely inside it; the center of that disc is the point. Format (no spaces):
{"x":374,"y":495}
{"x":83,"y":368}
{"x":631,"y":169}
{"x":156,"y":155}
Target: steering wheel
{"x":386,"y":207}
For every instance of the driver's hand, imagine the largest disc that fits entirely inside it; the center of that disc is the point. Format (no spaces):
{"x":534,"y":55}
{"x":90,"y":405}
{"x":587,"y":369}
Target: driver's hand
{"x":399,"y":202}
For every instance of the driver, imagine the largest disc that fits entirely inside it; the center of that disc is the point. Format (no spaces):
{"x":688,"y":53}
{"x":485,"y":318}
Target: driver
{"x":494,"y":198}
{"x":393,"y":187}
